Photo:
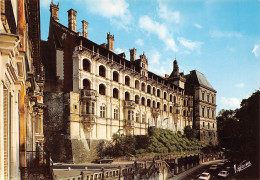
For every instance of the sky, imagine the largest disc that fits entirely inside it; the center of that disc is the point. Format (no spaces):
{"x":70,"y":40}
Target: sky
{"x":219,"y":38}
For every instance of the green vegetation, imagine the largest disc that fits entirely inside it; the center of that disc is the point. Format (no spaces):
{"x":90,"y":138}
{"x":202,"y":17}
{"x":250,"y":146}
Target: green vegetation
{"x":158,"y":141}
{"x":238,"y":130}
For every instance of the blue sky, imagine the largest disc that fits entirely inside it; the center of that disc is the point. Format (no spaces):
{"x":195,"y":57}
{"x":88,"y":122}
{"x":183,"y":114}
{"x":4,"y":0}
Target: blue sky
{"x":220,"y":38}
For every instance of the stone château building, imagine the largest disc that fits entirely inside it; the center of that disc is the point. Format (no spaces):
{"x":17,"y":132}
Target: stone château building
{"x":21,"y":89}
{"x":204,"y":96}
{"x":92,"y":92}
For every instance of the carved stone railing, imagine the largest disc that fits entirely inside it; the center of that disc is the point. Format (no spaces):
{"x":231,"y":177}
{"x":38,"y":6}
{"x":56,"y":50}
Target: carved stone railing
{"x":129,"y":104}
{"x":129,"y":124}
{"x":89,"y":94}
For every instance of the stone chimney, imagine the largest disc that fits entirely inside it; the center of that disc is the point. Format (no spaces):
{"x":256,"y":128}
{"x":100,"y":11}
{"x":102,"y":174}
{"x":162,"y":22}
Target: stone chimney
{"x":132,"y":55}
{"x":54,"y":9}
{"x":110,"y":42}
{"x":85,"y":29}
{"x":72,"y":20}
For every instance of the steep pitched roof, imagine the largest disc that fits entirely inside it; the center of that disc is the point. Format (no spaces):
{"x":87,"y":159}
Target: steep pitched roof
{"x":200,"y":79}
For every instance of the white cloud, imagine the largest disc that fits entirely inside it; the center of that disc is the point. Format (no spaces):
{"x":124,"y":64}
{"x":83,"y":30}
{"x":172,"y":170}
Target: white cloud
{"x":191,"y":45}
{"x":45,"y":3}
{"x":119,"y":51}
{"x":158,"y":70}
{"x":115,"y":10}
{"x":220,"y":34}
{"x":240,"y":85}
{"x":139,"y":42}
{"x":154,"y":56}
{"x":146,"y":23}
{"x":167,"y":14}
{"x":197,"y":26}
{"x":256,"y":50}
{"x":230,"y":103}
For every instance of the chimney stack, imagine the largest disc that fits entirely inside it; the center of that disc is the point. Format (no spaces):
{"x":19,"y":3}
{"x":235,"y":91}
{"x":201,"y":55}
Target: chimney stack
{"x":54,"y":9}
{"x":132,"y":55}
{"x":72,"y":20}
{"x":85,"y":29}
{"x":110,"y":42}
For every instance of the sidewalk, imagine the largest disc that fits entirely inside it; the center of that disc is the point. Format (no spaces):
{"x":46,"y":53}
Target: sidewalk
{"x":186,"y":173}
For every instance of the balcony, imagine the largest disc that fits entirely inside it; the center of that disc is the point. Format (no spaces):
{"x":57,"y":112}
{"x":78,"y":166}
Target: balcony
{"x":155,"y":112}
{"x":129,"y":124}
{"x":89,"y":94}
{"x":88,"y":120}
{"x":130,"y":104}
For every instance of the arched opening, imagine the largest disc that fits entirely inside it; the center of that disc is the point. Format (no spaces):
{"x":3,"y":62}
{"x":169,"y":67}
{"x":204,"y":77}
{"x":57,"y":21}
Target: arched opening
{"x":137,"y":99}
{"x":158,"y":93}
{"x":115,"y":76}
{"x":127,"y":96}
{"x":102,"y":71}
{"x":148,"y":102}
{"x":170,"y":109}
{"x":158,"y":105}
{"x":127,"y":80}
{"x":143,"y":101}
{"x":149,"y":89}
{"x":137,"y":84}
{"x":153,"y":104}
{"x":184,"y":113}
{"x":86,"y":84}
{"x":86,"y":65}
{"x":184,"y":102}
{"x":115,"y":93}
{"x":143,"y":87}
{"x":102,"y":89}
{"x":165,"y":107}
{"x":174,"y":99}
{"x":165,"y":95}
{"x":170,"y":97}
{"x":212,"y":100}
{"x":154,"y":91}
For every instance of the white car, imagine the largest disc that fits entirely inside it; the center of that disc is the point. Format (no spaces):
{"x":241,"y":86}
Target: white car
{"x":223,"y":174}
{"x":204,"y":176}
{"x":213,"y":167}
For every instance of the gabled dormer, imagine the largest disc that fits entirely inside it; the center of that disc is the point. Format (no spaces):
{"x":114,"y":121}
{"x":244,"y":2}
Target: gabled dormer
{"x":142,"y":62}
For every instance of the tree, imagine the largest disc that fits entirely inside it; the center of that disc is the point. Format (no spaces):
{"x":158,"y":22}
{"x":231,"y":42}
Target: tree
{"x":238,"y":130}
{"x":190,"y":133}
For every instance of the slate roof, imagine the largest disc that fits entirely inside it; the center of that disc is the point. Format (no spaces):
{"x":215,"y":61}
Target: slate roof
{"x":198,"y":78}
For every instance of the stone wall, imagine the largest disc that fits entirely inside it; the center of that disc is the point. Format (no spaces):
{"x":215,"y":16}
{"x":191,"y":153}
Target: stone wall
{"x":57,"y":126}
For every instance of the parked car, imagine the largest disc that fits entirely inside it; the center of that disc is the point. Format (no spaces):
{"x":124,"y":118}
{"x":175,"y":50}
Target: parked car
{"x":223,"y":174}
{"x":213,"y":167}
{"x":204,"y":176}
{"x":104,"y":160}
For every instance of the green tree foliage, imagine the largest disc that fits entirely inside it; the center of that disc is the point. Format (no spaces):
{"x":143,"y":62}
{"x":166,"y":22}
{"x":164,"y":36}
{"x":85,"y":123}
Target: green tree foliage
{"x":238,"y":129}
{"x":157,"y":141}
{"x":190,"y":133}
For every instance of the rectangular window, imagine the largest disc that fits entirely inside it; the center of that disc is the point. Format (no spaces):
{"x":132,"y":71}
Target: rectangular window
{"x":102,"y":111}
{"x":137,"y":117}
{"x":143,"y":118}
{"x":129,"y":115}
{"x":115,"y":113}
